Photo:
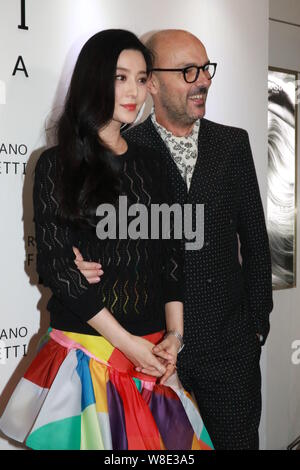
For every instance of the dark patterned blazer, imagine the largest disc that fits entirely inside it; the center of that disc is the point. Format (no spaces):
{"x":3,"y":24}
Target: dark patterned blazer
{"x":225,"y":300}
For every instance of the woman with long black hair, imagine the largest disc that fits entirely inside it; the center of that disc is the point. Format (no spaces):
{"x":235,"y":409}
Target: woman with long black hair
{"x":97,"y":382}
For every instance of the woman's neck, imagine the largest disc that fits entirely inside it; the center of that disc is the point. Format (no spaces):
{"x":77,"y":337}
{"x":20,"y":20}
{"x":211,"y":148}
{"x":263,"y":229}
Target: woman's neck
{"x":111,"y":136}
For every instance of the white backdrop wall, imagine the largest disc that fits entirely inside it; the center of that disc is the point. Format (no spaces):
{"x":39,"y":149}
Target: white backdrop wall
{"x":235,"y":33}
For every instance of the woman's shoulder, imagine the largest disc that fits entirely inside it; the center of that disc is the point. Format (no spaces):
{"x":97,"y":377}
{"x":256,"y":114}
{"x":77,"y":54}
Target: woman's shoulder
{"x":140,"y":149}
{"x":46,"y":160}
{"x":148,"y":156}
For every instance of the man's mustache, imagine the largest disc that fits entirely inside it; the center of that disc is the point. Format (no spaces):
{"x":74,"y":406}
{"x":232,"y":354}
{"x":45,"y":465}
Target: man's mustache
{"x":199,"y":91}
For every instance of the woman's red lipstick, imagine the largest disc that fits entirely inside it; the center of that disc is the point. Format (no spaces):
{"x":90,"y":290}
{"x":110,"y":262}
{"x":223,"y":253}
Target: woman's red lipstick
{"x":130,"y":107}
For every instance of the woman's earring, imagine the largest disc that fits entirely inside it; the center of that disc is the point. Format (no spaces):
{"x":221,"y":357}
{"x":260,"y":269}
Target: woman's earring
{"x":140,"y":113}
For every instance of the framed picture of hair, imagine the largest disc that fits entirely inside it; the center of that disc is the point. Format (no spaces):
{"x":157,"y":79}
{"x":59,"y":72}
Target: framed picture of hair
{"x":282,"y":175}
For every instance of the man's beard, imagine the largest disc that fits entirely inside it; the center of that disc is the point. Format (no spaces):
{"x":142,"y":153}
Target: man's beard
{"x":176,"y":112}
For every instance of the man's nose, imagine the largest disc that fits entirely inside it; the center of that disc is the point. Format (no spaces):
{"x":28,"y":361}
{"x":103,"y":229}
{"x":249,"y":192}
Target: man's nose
{"x":202,"y":79}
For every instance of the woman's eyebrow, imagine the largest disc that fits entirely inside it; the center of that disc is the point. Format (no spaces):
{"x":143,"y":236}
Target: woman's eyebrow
{"x":128,"y":70}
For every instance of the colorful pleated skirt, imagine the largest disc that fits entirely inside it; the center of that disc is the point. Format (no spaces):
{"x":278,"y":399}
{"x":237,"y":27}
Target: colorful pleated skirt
{"x":82,"y":393}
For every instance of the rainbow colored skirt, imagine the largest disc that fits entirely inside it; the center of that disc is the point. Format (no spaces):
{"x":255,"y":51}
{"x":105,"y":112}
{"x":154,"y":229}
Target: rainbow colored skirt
{"x":81,"y":393}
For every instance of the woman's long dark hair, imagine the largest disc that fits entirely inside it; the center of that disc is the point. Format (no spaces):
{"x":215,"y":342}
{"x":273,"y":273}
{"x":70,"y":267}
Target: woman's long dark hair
{"x":86,"y":176}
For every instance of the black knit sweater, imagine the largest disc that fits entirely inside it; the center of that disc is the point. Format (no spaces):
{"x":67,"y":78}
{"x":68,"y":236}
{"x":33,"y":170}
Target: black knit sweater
{"x":140,"y":275}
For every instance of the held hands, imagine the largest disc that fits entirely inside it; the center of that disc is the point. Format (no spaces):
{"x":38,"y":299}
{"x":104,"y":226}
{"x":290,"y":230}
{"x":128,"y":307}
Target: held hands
{"x":140,"y":352}
{"x":158,"y":361}
{"x":170,"y":346}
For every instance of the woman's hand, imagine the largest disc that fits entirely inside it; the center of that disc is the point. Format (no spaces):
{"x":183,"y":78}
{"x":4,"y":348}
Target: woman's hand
{"x":139,"y":351}
{"x":168,"y":346}
{"x":91,"y":271}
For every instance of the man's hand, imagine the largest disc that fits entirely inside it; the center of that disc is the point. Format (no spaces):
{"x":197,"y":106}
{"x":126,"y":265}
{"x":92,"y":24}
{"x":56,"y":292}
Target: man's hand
{"x":91,"y":271}
{"x":170,"y":345}
{"x":139,"y":351}
{"x":166,"y":351}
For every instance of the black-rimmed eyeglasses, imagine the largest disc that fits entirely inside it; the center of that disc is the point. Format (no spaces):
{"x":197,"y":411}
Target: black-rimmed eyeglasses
{"x":191,"y":73}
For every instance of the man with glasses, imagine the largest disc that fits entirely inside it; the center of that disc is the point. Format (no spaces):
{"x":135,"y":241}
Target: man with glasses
{"x":227,"y":303}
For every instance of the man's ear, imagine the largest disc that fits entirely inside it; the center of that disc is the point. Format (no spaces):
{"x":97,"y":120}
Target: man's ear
{"x":153,"y":84}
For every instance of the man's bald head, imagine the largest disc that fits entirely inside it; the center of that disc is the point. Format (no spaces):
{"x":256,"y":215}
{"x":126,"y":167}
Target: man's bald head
{"x":165,"y":43}
{"x":177,"y":103}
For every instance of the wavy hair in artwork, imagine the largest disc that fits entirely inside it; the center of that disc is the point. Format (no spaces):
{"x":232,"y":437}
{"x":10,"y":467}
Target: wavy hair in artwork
{"x":281,"y":176}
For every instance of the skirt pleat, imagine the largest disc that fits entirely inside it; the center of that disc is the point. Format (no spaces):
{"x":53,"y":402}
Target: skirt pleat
{"x":81,"y":393}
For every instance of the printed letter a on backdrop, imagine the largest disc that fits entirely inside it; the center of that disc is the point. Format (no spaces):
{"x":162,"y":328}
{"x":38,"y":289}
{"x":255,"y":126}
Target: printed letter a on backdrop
{"x":22,"y":68}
